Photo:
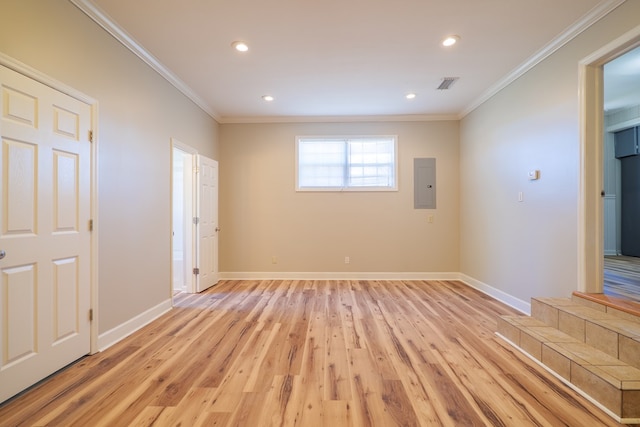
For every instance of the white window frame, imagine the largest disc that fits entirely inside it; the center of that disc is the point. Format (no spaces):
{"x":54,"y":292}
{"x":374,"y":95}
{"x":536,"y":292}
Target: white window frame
{"x":347,"y":188}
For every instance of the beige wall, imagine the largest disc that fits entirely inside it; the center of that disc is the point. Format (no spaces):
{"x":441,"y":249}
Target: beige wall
{"x":529,"y":248}
{"x":139,"y":112}
{"x":262,"y":215}
{"x":521,"y":248}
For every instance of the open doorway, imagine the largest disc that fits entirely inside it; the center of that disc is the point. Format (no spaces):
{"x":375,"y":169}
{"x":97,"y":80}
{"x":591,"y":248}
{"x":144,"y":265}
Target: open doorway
{"x":194,"y":220}
{"x":621,"y":176}
{"x":182,"y":246}
{"x":591,"y":233}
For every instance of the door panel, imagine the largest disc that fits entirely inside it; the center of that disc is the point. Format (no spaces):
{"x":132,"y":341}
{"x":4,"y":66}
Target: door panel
{"x":45,"y":193}
{"x":207,"y":208}
{"x":19,"y":289}
{"x":65,"y":192}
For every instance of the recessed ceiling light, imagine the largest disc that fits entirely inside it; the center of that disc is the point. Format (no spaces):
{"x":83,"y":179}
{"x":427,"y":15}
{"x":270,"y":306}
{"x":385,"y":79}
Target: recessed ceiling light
{"x":450,"y":40}
{"x":268,"y":98}
{"x":240,"y":46}
{"x":410,"y":95}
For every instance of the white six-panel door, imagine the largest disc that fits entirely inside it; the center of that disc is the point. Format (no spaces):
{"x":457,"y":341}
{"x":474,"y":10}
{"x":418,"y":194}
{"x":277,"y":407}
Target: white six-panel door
{"x":207,"y":211}
{"x":44,"y":231}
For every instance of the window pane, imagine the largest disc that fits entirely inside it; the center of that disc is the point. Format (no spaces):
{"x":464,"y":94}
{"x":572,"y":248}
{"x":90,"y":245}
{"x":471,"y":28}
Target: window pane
{"x":321,"y":163}
{"x":371,"y":163}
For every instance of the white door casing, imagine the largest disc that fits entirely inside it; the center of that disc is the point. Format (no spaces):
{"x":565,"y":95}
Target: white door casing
{"x":590,"y":204}
{"x":207,"y":224}
{"x":45,"y":191}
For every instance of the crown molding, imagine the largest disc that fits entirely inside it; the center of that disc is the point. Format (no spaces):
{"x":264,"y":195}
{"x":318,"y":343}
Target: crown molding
{"x":340,"y":119}
{"x":596,"y":14}
{"x":105,"y":21}
{"x":102,"y":19}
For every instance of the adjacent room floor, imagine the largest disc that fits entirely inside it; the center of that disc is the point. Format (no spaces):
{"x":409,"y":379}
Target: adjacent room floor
{"x":622,"y":277}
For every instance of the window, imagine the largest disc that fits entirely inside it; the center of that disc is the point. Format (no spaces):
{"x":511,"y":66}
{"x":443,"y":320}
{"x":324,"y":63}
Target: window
{"x":362,"y":163}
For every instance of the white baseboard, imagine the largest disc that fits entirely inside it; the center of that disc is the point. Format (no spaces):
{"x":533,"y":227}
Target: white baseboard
{"x":501,"y":296}
{"x":301,"y":275}
{"x":120,"y":332}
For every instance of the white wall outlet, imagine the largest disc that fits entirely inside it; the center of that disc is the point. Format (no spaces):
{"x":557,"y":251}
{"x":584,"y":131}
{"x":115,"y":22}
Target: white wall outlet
{"x":274,"y":259}
{"x":347,"y":260}
{"x":430,"y":219}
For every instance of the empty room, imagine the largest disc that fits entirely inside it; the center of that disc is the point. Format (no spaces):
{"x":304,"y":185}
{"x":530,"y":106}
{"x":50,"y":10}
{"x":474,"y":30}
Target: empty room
{"x":310,"y":214}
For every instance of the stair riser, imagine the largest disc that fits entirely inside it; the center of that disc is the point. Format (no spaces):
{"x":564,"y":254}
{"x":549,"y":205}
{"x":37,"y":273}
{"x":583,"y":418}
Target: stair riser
{"x":625,"y":403}
{"x":606,"y":340}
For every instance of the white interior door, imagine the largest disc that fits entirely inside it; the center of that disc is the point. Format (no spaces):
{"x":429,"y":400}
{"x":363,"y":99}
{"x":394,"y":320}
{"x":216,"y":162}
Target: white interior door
{"x":207,"y":223}
{"x":44,"y":231}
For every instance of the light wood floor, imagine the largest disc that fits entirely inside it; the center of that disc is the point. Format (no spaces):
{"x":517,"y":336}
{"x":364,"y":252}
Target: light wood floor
{"x":311,"y":353}
{"x":622,"y":277}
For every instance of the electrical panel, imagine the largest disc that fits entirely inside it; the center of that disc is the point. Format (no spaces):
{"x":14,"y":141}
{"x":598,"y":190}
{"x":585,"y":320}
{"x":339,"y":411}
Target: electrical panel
{"x":424,"y":183}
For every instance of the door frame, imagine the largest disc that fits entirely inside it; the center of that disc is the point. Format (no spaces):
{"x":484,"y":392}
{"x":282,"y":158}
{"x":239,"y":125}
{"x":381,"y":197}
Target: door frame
{"x":590,"y":205}
{"x":40,"y":77}
{"x":190,"y":285}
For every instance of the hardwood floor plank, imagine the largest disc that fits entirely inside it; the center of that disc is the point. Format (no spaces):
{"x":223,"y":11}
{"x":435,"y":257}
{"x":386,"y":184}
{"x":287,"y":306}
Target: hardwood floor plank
{"x":337,"y":413}
{"x":147,"y":416}
{"x":312,"y":373}
{"x":311,"y":353}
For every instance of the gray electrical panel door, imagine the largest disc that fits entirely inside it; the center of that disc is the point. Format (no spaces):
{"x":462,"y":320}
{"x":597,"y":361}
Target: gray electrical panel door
{"x":424,"y":183}
{"x":626,"y":142}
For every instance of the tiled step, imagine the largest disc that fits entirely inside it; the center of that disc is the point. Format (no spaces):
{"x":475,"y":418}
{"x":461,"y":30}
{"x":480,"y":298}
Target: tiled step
{"x":595,"y":351}
{"x":617,"y":336}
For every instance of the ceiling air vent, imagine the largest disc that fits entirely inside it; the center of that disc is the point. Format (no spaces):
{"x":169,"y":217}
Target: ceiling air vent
{"x":447,"y":82}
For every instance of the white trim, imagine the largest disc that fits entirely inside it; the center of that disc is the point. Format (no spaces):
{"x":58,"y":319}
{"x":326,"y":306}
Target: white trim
{"x":301,"y":275}
{"x":495,"y":293}
{"x":120,"y":332}
{"x":597,"y":13}
{"x":182,"y":146}
{"x":570,"y":385}
{"x":105,"y":21}
{"x":32,"y":73}
{"x":95,"y":234}
{"x":342,"y":119}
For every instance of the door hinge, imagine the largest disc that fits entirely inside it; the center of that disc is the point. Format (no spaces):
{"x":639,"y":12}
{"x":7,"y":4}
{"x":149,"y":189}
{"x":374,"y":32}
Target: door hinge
{"x":90,"y":136}
{"x":196,"y":220}
{"x":91,"y":314}
{"x":90,"y":225}
{"x":196,"y":271}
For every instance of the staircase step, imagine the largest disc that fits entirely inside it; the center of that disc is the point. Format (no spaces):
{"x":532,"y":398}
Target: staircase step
{"x":626,"y":309}
{"x":608,"y":380}
{"x":617,"y":336}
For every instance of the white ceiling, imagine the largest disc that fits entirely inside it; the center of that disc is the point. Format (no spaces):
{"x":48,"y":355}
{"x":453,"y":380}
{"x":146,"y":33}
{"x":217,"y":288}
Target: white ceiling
{"x":622,"y":81}
{"x":334,"y":58}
